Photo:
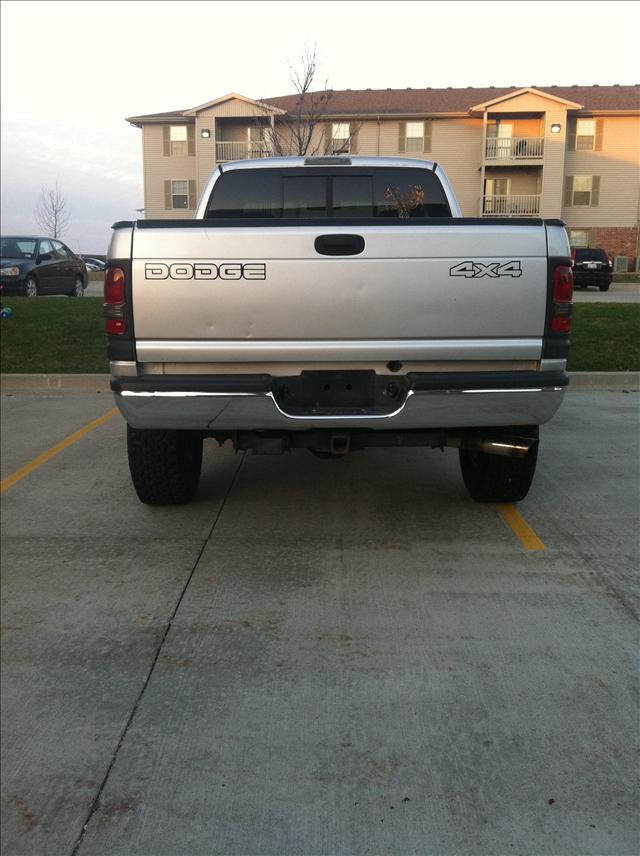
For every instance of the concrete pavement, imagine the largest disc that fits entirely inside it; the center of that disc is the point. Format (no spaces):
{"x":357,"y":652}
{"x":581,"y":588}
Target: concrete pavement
{"x":318,"y":657}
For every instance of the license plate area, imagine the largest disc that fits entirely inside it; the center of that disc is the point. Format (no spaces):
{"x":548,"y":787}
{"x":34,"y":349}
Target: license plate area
{"x":339,"y":393}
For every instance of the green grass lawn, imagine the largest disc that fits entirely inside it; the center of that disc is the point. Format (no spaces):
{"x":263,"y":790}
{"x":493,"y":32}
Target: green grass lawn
{"x":58,"y":335}
{"x":66,"y":335}
{"x":605,"y":337}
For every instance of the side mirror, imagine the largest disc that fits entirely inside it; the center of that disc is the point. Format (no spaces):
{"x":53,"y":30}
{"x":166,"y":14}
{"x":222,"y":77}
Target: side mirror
{"x":45,"y":257}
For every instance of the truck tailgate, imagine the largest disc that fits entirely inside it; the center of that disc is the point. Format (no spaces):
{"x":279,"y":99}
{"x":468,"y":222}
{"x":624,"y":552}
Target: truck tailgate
{"x":433,"y":282}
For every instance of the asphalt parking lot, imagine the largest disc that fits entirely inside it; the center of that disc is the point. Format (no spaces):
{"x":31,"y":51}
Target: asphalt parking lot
{"x":318,"y":657}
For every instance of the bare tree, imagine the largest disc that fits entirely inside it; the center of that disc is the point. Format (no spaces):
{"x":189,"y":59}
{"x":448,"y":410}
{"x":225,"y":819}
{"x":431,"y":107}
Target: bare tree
{"x":52,"y":212}
{"x":297,"y":130}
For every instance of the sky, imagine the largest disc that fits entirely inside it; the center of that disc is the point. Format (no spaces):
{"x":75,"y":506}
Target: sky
{"x":72,"y":71}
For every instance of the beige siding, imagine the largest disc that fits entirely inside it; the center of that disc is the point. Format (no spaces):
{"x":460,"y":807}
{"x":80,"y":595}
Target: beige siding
{"x":619,"y":170}
{"x":158,"y":169}
{"x":457,"y":147}
{"x":553,"y":164}
{"x":527,"y":103}
{"x":234,"y":107}
{"x":368,"y":138}
{"x":205,"y":152}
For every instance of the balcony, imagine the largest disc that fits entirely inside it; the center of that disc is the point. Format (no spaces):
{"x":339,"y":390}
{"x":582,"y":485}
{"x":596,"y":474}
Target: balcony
{"x":242,"y":150}
{"x":511,"y":206}
{"x":514,"y":148}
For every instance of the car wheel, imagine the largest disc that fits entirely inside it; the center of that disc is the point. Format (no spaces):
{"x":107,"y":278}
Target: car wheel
{"x":492,"y":478}
{"x":605,"y":287}
{"x":31,"y":287}
{"x":78,"y":288}
{"x":164,"y":465}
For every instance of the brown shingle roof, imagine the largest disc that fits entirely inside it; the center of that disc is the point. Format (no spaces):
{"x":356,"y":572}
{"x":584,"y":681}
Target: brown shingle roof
{"x":350,"y":102}
{"x":355,"y":101}
{"x":171,"y":114}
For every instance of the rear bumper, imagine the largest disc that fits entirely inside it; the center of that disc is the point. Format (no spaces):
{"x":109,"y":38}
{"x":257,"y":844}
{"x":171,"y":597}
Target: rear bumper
{"x":592,"y":277}
{"x":248,"y":403}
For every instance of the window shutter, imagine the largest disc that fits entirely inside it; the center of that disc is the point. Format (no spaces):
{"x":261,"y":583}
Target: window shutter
{"x":595,"y":190}
{"x":167,"y":195}
{"x":599,"y":134}
{"x":426,"y":136}
{"x":402,"y":136}
{"x":568,"y":191}
{"x":191,"y":139}
{"x":193,"y":201}
{"x":166,"y":140}
{"x":353,"y":138}
{"x":571,"y":134}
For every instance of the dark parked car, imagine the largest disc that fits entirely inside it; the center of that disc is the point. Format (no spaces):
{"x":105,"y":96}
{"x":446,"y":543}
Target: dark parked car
{"x":33,"y":266}
{"x":591,"y":267}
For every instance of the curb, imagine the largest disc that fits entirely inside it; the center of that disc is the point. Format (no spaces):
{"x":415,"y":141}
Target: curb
{"x":54,"y":383}
{"x":580,"y":381}
{"x":605,"y":381}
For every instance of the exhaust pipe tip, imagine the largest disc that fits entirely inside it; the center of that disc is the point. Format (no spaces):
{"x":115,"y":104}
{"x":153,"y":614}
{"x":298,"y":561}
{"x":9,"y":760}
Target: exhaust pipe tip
{"x":506,"y":447}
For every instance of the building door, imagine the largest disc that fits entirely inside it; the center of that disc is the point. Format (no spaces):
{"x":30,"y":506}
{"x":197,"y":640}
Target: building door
{"x":257,"y":140}
{"x":496,"y":195}
{"x":503,"y":143}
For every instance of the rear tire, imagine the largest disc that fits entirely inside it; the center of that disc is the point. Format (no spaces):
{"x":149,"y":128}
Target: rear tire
{"x":493,"y":478}
{"x":78,"y":288}
{"x":164,"y":465}
{"x":605,"y":287}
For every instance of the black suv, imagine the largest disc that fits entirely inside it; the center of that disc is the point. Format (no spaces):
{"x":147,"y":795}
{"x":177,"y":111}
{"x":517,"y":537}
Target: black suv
{"x":591,"y":267}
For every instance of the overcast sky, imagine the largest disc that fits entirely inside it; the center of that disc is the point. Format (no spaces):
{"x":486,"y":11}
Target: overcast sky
{"x":72,"y":71}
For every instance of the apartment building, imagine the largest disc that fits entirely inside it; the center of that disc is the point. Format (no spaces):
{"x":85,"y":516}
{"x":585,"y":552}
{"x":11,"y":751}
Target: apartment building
{"x":571,"y":152}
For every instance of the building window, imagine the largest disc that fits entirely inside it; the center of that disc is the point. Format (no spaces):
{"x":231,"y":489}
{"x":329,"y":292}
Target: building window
{"x":180,"y":194}
{"x":340,"y":138}
{"x":178,"y":138}
{"x":582,"y":185}
{"x":585,"y":134}
{"x":578,"y":238}
{"x":415,"y":136}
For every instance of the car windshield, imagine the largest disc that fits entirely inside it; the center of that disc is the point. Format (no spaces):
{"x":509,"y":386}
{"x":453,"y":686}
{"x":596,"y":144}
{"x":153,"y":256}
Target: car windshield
{"x":591,"y":256}
{"x":18,"y":248}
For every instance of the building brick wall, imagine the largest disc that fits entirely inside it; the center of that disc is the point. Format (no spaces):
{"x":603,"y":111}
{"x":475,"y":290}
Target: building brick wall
{"x":616,"y":240}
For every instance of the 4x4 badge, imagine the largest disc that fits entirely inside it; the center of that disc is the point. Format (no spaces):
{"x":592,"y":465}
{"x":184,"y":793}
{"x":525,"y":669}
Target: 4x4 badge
{"x":493,"y":269}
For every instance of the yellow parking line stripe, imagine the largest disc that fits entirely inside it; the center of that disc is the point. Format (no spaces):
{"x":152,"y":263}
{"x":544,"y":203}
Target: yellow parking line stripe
{"x":516,"y":522}
{"x":5,"y":484}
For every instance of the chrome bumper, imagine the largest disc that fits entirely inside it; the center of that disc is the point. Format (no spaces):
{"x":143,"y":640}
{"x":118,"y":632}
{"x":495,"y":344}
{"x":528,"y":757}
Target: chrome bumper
{"x":257,"y":411}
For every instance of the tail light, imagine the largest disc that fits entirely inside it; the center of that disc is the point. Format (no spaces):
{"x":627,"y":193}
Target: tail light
{"x":562,"y":297}
{"x":114,"y":301}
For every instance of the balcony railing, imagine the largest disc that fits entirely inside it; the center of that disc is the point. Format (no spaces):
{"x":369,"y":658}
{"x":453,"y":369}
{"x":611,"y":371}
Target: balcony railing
{"x":231,"y":151}
{"x":510,"y":206}
{"x":514,"y":148}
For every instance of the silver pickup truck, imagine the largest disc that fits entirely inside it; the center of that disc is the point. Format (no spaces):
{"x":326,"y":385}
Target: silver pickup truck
{"x":333,"y":304}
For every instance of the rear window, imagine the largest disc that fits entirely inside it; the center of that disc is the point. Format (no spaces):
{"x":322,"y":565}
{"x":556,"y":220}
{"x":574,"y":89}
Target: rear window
{"x":591,"y":256}
{"x":310,"y":194}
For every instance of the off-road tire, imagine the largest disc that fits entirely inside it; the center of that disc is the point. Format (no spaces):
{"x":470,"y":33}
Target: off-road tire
{"x":493,"y":478}
{"x":164,"y":465}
